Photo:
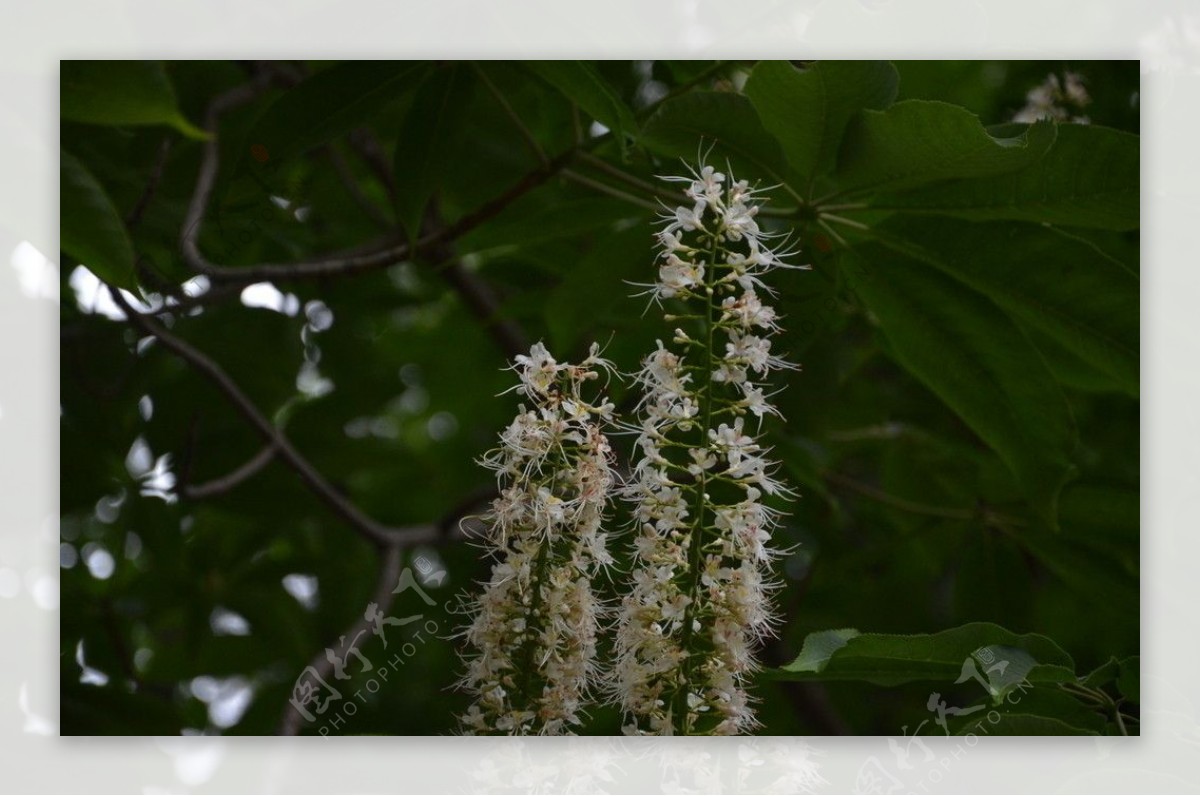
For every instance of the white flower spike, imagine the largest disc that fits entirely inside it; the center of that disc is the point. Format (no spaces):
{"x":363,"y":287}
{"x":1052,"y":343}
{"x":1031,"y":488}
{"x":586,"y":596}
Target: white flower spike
{"x":531,"y":657}
{"x":698,"y":603}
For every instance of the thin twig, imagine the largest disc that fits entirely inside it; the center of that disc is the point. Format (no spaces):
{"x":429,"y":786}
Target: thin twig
{"x":450,"y":528}
{"x":389,"y":573}
{"x":682,"y":88}
{"x":380,"y":255}
{"x":832,"y":232}
{"x":637,"y":182}
{"x":219,"y":486}
{"x":662,"y":192}
{"x":343,"y":508}
{"x":605,"y":188}
{"x":847,"y":221}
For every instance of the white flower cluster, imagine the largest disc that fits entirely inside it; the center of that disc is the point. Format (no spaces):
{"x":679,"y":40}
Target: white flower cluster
{"x":701,"y":576}
{"x":531,"y":659}
{"x":1060,"y":100}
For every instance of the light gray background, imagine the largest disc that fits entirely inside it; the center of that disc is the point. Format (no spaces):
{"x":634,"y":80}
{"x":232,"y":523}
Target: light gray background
{"x":33,"y":36}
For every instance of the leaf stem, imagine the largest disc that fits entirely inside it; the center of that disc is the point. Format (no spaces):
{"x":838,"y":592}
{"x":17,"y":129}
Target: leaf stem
{"x":605,"y":188}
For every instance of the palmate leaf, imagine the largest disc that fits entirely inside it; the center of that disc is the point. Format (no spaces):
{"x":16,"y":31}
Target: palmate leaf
{"x":970,"y":354}
{"x":328,"y":104}
{"x":428,"y":140}
{"x":918,"y":142}
{"x":807,"y":110}
{"x":1088,"y":178}
{"x":580,"y":83}
{"x":1059,"y":285}
{"x":721,"y":123}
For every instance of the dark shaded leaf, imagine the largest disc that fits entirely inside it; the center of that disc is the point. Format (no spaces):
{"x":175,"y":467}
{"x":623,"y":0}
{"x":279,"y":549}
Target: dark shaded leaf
{"x":687,"y":126}
{"x":974,"y":358}
{"x":1059,"y":285}
{"x":428,"y":141}
{"x":580,"y":83}
{"x":326,"y":105}
{"x":121,"y":93}
{"x":91,"y":229}
{"x":807,"y":110}
{"x":1129,"y":681}
{"x":919,"y":141}
{"x":1089,"y":178}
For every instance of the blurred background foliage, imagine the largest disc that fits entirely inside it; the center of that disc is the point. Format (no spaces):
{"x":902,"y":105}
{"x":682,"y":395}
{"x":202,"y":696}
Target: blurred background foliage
{"x":964,"y":430}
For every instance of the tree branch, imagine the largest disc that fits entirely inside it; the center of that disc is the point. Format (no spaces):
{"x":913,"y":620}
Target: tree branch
{"x":387,"y":253}
{"x":389,"y":573}
{"x":219,"y":486}
{"x":366,"y":526}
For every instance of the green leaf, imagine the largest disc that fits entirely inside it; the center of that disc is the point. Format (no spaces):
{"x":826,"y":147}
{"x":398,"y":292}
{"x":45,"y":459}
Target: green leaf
{"x":326,"y":105}
{"x":121,"y":93}
{"x":1067,"y":367}
{"x":1022,"y":724}
{"x":112,"y":710}
{"x":91,"y":230}
{"x":968,"y":352}
{"x":917,"y":142}
{"x":1061,"y":286}
{"x":586,"y":297}
{"x":819,"y":647}
{"x":1085,"y":567}
{"x":1103,"y":674}
{"x":429,"y":140}
{"x":1089,"y":178}
{"x":807,"y":110}
{"x":689,"y":125}
{"x":983,"y":651}
{"x":525,"y":224}
{"x":580,"y":83}
{"x":1129,"y":681}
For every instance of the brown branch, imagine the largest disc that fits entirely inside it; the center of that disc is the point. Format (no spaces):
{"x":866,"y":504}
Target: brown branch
{"x":389,"y":573}
{"x":366,"y":526}
{"x":450,"y":527}
{"x":219,"y":486}
{"x":386,"y":253}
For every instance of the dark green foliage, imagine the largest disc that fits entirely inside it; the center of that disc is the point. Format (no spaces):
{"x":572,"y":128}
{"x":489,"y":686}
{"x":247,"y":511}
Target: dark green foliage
{"x":964,"y":431}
